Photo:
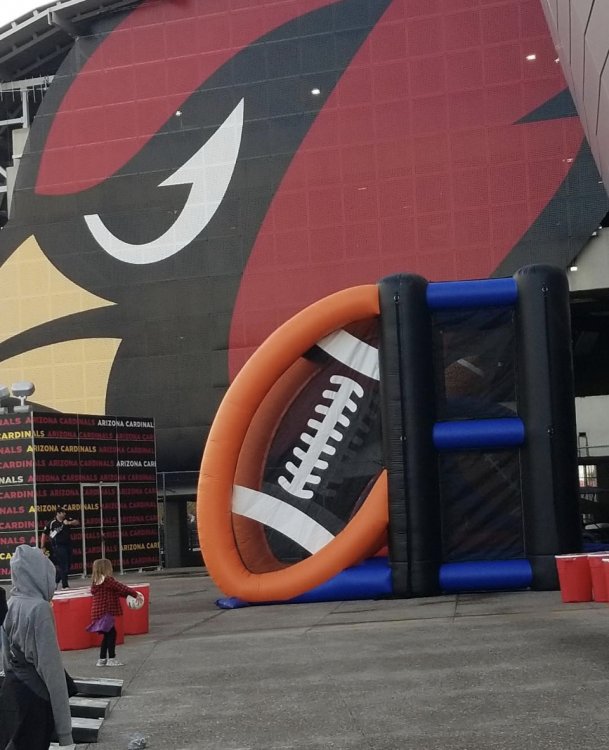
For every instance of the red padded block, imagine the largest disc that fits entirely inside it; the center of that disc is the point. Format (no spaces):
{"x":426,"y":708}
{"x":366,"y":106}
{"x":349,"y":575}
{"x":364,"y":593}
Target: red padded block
{"x":72,"y":615}
{"x":605,"y":569}
{"x":600,"y":592}
{"x":574,"y":578}
{"x":137,"y":621}
{"x":72,"y":611}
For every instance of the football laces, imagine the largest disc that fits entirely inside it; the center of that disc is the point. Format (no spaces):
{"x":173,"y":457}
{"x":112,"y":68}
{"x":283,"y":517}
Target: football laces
{"x":336,"y":417}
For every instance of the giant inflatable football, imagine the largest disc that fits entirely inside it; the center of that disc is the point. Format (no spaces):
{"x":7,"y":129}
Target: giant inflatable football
{"x":437,"y":417}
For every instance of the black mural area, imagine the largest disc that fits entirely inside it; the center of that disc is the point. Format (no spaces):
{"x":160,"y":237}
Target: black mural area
{"x":173,"y":316}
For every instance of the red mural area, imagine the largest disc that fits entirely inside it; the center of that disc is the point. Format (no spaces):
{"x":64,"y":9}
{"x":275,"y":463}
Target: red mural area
{"x":145,"y":70}
{"x":416,"y":163}
{"x":102,"y":469}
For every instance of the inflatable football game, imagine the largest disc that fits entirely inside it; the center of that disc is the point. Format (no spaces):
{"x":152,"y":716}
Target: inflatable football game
{"x":404,"y":438}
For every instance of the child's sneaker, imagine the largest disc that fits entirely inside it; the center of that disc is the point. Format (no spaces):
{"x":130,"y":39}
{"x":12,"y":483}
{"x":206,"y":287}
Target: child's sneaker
{"x":101,"y":662}
{"x":114,"y":663}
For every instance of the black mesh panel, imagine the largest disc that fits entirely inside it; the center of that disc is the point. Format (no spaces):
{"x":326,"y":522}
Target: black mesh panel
{"x":480,"y":494}
{"x":481,"y":506}
{"x":474,"y":353}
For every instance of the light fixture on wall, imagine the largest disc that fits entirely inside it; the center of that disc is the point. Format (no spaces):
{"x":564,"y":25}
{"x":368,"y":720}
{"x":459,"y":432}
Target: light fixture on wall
{"x":22,"y":390}
{"x":4,"y":394}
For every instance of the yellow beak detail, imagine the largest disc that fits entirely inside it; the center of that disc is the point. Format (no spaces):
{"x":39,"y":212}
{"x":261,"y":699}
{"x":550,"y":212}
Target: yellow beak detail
{"x":70,"y":376}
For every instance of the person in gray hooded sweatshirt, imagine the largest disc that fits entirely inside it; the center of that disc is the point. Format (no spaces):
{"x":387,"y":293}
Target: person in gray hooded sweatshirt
{"x":2,"y":609}
{"x":34,"y":696}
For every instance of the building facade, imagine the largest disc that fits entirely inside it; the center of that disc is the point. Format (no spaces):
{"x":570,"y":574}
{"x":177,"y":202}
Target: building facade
{"x":197,"y":172}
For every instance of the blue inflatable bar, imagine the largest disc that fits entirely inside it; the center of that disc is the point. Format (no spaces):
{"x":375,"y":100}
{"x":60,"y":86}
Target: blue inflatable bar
{"x":478,"y":434}
{"x":452,"y":295}
{"x":485,"y":575}
{"x":368,"y":580}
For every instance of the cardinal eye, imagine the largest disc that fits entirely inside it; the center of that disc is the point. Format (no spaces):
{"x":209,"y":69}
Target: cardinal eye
{"x":209,"y":173}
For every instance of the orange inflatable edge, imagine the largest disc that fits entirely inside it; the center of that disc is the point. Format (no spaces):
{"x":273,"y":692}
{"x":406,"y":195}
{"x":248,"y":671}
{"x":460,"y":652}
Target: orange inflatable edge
{"x":215,"y":488}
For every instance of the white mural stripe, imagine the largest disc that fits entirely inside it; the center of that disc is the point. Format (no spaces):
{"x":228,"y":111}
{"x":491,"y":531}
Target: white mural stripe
{"x":209,"y":173}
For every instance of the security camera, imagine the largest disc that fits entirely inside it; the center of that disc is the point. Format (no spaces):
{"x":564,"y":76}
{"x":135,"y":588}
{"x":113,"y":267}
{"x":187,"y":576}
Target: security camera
{"x":22,"y":390}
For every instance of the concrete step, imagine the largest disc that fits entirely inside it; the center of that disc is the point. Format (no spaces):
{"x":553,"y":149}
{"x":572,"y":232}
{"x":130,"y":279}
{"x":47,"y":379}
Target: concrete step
{"x":88,"y":713}
{"x":89,"y":708}
{"x":95,"y":687}
{"x":99,"y":687}
{"x":85,"y":731}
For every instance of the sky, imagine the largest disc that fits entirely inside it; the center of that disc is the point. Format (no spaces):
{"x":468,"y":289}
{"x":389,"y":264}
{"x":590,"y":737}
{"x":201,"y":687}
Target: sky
{"x":11,"y":9}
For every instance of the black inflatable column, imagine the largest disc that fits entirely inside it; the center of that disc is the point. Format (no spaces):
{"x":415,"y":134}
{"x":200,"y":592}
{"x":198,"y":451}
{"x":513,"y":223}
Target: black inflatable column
{"x":407,"y":389}
{"x":547,"y":407}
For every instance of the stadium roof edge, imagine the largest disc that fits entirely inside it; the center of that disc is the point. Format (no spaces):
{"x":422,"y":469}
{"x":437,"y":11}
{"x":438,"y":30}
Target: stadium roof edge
{"x":33,"y":44}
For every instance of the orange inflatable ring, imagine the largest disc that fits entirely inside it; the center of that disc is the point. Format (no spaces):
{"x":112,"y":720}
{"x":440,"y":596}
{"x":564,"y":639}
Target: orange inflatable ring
{"x":362,"y":536}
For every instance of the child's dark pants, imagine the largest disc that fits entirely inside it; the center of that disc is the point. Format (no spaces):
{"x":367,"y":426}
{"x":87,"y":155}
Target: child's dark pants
{"x":108,"y":645}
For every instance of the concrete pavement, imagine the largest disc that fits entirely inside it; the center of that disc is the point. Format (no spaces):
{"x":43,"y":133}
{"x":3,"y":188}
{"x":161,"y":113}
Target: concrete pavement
{"x":512,"y":671}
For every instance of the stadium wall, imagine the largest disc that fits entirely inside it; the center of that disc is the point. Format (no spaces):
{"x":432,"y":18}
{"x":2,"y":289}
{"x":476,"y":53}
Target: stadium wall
{"x":200,"y":171}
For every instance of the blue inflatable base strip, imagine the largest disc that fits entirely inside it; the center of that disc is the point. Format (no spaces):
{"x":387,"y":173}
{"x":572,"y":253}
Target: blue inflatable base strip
{"x":368,"y":580}
{"x":478,"y":434}
{"x":451,"y":295}
{"x":485,"y":575}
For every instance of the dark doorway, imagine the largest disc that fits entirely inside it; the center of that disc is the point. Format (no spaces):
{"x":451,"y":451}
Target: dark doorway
{"x":177,"y":513}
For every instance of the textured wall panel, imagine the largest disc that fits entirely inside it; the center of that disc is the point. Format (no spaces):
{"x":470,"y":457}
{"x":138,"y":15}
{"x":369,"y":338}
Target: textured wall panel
{"x":580,"y":30}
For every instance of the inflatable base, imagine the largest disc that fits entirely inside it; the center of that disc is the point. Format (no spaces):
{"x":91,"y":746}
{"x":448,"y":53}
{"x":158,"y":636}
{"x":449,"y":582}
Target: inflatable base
{"x":368,"y":580}
{"x":486,"y":575}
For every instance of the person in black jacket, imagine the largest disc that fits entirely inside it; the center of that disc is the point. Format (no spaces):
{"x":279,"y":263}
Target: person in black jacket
{"x":57,"y":533}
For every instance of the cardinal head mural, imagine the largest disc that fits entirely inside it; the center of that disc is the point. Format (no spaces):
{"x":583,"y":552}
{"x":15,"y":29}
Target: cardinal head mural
{"x":198,"y":172}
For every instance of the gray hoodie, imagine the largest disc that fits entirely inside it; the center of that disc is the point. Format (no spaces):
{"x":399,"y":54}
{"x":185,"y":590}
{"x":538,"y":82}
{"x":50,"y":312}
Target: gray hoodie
{"x":29,"y":630}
